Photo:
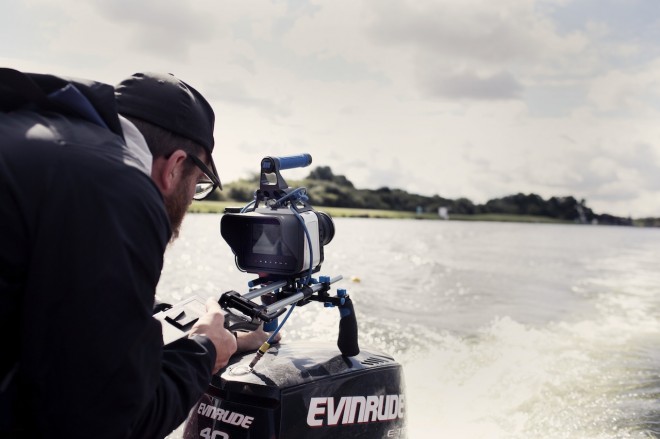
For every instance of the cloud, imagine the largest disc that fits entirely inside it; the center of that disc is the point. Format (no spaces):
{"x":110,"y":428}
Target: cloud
{"x":236,"y":93}
{"x":642,"y":160}
{"x":470,"y":85}
{"x":467,"y":30}
{"x":612,"y":176}
{"x":168,"y":27}
{"x":623,"y":90}
{"x":477,"y":46}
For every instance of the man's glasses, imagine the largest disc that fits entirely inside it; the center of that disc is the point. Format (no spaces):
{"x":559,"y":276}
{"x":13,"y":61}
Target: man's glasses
{"x":204,"y":187}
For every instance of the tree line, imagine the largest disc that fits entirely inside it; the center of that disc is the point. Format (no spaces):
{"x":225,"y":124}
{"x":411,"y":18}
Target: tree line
{"x":325,"y":188}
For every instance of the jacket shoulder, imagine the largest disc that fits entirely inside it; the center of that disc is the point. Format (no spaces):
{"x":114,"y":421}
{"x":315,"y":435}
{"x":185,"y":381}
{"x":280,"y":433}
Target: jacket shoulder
{"x":19,"y":89}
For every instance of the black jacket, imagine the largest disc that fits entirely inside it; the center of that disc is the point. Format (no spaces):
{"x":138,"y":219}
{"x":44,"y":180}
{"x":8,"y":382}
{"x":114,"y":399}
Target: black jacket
{"x":82,"y":238}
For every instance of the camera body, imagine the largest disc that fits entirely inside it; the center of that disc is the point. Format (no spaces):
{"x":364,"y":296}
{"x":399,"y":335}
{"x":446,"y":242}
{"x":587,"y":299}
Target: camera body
{"x":285,"y":237}
{"x":273,"y":241}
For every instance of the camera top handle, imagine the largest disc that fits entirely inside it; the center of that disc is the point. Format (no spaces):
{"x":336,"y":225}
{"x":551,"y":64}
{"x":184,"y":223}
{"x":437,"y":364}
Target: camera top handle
{"x":272,"y":185}
{"x":273,"y":164}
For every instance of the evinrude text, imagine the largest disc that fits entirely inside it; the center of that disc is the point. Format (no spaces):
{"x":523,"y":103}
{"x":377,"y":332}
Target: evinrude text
{"x":352,"y":409}
{"x":226,"y":416}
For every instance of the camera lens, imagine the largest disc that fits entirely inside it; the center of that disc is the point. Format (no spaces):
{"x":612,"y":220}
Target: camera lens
{"x":326,"y":227}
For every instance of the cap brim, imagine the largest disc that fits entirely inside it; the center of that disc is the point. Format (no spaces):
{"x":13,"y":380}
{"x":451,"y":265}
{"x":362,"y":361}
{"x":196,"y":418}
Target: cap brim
{"x":215,"y":171}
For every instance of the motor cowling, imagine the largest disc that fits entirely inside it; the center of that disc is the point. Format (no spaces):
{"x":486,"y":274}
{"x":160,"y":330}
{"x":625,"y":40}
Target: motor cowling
{"x":303,"y":390}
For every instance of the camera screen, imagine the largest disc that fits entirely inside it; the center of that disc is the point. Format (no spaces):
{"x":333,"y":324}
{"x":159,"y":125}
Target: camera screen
{"x":267,"y":240}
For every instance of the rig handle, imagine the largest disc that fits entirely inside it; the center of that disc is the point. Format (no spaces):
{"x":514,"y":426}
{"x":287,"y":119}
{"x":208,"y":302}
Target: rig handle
{"x":347,"y":341}
{"x":272,"y":164}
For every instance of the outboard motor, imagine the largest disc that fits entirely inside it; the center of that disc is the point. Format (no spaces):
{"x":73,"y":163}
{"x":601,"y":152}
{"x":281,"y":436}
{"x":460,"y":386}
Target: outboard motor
{"x":303,"y":390}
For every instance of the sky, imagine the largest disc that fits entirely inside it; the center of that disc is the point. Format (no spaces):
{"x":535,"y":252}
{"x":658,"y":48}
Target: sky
{"x":459,"y":98}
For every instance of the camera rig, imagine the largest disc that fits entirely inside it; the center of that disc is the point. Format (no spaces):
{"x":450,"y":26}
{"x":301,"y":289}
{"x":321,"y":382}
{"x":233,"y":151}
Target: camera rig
{"x":282,"y":242}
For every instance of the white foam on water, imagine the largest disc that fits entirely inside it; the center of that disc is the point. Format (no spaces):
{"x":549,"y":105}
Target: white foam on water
{"x":564,"y":380}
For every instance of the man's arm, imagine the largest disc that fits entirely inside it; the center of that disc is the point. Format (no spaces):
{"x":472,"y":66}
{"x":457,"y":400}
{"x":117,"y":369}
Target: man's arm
{"x":184,"y":363}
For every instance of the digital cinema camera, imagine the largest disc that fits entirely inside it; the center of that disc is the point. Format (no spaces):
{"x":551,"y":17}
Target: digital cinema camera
{"x":298,"y":389}
{"x":286,"y":236}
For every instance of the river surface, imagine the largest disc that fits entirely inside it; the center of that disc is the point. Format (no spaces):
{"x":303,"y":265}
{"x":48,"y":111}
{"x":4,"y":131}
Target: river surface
{"x":504,"y":330}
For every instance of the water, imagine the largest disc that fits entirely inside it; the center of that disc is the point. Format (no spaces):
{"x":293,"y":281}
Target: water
{"x":503,"y":330}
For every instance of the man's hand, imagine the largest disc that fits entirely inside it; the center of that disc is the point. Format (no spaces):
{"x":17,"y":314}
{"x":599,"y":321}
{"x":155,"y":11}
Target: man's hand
{"x":211,"y":325}
{"x":251,"y":341}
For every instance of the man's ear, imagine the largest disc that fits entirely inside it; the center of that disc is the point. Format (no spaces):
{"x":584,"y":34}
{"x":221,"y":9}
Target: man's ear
{"x":167,"y":172}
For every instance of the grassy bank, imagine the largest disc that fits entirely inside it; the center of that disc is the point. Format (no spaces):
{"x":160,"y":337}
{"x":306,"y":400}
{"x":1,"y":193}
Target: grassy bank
{"x":342,"y":212}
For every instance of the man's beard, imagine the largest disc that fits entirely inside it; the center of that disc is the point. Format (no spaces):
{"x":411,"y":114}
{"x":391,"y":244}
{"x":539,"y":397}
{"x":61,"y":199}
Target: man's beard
{"x":176,"y":206}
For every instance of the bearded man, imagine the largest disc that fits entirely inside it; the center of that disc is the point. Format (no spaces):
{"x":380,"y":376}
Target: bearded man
{"x":94,"y":183}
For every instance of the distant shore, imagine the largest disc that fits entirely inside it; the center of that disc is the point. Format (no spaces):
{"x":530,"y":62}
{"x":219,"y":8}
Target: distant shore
{"x":345,"y":212}
{"x":342,"y":212}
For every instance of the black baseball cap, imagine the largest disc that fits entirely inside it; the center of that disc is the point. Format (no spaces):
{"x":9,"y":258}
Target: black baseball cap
{"x":166,"y":101}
